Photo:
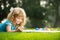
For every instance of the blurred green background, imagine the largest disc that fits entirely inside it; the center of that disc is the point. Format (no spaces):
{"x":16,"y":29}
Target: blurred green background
{"x":40,"y":13}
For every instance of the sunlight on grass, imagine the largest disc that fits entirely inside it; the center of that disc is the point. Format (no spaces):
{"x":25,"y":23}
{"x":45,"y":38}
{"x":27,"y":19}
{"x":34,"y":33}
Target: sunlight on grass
{"x":29,"y":36}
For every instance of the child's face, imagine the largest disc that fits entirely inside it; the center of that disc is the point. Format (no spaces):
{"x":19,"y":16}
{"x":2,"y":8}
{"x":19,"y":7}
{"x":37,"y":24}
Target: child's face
{"x":18,"y":20}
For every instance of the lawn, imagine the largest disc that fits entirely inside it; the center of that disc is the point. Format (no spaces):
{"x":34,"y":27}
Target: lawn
{"x":29,"y":35}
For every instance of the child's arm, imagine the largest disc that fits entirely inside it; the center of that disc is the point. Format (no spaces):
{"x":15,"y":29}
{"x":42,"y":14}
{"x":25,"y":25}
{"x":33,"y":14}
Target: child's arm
{"x":8,"y":28}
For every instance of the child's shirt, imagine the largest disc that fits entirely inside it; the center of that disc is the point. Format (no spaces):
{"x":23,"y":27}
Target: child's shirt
{"x":4,"y":25}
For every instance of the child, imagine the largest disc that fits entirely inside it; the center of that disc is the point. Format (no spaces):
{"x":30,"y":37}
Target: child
{"x":15,"y":21}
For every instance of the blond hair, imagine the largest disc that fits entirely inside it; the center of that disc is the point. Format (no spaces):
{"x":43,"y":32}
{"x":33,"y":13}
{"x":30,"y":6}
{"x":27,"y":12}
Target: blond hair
{"x":17,"y":12}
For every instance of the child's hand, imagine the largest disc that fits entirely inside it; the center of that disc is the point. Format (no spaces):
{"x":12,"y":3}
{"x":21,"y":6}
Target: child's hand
{"x":17,"y":30}
{"x":20,"y":29}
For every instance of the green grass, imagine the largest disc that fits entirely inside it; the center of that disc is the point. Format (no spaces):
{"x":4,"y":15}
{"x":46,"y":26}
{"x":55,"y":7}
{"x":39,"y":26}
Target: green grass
{"x":29,"y":36}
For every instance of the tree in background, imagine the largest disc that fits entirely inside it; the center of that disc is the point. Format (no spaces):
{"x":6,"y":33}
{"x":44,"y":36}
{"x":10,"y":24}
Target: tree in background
{"x":57,"y":20}
{"x":5,"y":6}
{"x":41,"y":13}
{"x":34,"y":11}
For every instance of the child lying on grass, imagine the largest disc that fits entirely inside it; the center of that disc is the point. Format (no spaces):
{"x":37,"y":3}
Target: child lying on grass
{"x":15,"y":21}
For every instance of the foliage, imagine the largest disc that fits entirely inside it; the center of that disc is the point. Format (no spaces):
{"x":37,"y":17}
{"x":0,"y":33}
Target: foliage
{"x":34,"y":10}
